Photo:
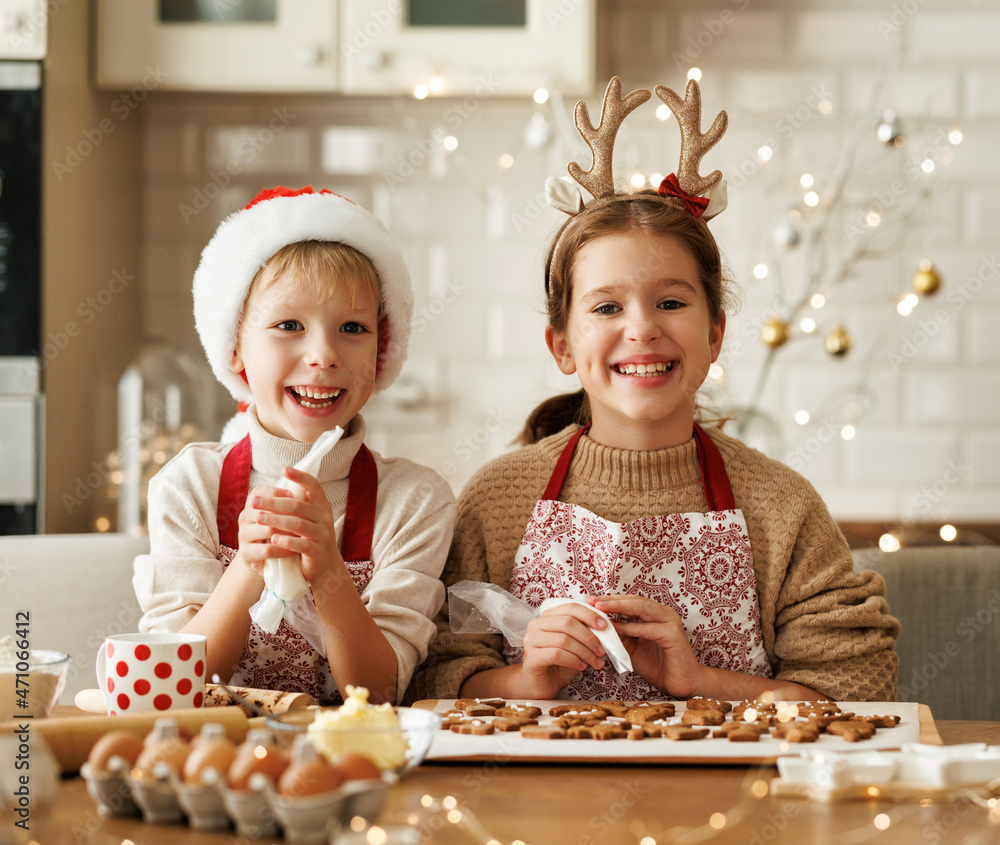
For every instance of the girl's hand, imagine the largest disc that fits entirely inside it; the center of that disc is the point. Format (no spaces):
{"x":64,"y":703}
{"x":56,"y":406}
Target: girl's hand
{"x":656,"y":642}
{"x":558,"y":645}
{"x":300,"y":526}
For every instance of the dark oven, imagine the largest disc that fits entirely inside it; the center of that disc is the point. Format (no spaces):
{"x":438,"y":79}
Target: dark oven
{"x":21,"y":345}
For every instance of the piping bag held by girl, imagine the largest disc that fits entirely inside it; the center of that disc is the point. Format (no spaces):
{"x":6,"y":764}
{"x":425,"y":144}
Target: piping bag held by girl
{"x":286,"y":591}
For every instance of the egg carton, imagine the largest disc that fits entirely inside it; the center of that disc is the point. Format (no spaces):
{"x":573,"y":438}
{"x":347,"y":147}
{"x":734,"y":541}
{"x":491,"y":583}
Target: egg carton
{"x":256,"y":813}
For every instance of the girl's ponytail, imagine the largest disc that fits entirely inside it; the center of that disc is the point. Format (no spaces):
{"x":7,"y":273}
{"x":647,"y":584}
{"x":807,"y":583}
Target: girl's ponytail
{"x":553,"y":415}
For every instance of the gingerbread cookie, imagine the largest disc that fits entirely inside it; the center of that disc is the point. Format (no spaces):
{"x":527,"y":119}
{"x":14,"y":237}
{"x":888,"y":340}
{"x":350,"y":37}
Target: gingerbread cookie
{"x":682,"y":732}
{"x":542,"y":732}
{"x":519,"y":710}
{"x":512,"y":723}
{"x":701,"y":703}
{"x":476,"y":727}
{"x":703,"y":717}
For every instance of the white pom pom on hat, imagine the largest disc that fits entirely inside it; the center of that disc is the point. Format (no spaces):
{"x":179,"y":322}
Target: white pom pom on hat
{"x":277,"y":217}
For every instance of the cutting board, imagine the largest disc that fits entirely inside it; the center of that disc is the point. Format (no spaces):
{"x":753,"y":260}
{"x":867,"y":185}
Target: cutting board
{"x":916,"y":725}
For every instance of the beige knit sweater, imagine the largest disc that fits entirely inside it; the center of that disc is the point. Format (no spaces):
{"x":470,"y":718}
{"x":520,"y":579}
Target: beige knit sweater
{"x":823,"y":625}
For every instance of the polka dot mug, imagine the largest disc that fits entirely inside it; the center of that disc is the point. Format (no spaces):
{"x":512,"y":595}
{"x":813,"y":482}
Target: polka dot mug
{"x":148,"y":673}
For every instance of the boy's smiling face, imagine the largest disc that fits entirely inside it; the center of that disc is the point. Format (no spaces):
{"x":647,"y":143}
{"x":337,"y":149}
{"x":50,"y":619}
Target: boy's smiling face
{"x":310,"y":364}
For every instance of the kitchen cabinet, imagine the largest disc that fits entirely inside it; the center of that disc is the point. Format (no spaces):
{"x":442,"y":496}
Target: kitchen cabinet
{"x":366,"y":47}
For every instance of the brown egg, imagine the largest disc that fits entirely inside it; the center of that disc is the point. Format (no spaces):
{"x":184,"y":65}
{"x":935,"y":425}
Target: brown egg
{"x":117,"y":743}
{"x":310,"y":777}
{"x":355,"y":766}
{"x":170,"y":750}
{"x":217,"y":752}
{"x":255,"y":756}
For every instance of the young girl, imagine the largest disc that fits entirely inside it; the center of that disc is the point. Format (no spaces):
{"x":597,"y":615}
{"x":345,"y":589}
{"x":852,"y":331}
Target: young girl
{"x":302,"y":302}
{"x":721,"y":569}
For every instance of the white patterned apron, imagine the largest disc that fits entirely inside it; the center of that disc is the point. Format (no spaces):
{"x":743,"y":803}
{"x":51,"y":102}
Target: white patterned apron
{"x":698,"y":564}
{"x":285,"y":660}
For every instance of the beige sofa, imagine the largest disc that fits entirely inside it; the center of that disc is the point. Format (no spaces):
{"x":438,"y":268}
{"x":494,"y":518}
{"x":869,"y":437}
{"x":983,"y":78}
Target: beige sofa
{"x":78,"y":589}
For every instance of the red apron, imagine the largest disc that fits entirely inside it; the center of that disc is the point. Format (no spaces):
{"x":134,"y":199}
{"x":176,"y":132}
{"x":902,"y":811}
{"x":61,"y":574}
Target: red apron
{"x":285,"y":660}
{"x":698,"y":564}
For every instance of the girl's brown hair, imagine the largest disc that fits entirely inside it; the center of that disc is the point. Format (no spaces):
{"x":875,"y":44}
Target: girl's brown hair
{"x":635,"y":212}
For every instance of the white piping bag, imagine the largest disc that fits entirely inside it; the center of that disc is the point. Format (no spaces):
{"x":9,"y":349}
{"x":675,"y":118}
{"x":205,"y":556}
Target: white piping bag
{"x":477,"y":607}
{"x":283,"y":581}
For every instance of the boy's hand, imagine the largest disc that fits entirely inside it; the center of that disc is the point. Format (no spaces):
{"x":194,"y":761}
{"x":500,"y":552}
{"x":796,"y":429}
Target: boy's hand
{"x":254,"y":535}
{"x":656,"y":642}
{"x":558,"y":645}
{"x":301,"y":526}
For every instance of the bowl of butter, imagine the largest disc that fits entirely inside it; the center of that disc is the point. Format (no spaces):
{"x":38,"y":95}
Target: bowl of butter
{"x":396,"y":739}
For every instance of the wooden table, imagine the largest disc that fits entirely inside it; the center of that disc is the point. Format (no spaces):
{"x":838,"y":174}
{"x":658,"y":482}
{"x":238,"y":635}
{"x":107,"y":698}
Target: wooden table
{"x":580,"y":805}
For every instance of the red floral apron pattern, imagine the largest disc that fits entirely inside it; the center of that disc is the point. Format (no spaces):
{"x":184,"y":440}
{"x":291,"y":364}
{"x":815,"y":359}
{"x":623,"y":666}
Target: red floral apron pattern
{"x":698,"y":564}
{"x":285,"y":660}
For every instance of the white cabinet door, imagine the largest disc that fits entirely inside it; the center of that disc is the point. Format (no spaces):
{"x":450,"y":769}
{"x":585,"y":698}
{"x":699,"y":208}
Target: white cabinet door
{"x":291,"y":46}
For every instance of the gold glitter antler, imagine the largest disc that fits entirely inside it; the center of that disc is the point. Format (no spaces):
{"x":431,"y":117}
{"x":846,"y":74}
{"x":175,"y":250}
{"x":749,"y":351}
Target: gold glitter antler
{"x":599,"y":180}
{"x":694,"y":143}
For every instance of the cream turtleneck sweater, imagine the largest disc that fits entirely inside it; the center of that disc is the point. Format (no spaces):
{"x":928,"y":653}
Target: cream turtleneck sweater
{"x":414,"y":516}
{"x":823,"y":625}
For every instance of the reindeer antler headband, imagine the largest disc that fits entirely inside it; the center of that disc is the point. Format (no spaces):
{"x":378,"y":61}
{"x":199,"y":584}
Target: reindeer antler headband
{"x":704,"y":196}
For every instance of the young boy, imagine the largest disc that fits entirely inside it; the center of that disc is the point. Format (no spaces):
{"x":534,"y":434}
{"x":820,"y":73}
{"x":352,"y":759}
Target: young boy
{"x":302,"y":302}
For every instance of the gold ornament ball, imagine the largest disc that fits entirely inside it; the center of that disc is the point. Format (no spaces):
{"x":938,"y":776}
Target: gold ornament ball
{"x":838,"y":342}
{"x":926,"y":280}
{"x":775,"y":332}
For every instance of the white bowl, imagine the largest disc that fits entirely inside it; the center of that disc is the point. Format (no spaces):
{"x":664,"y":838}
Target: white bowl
{"x":418,"y":727}
{"x":32,"y":684}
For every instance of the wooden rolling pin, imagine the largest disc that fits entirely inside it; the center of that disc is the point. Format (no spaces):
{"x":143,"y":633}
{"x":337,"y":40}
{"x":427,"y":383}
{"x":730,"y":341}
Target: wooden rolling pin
{"x":270,"y":701}
{"x":72,"y":737}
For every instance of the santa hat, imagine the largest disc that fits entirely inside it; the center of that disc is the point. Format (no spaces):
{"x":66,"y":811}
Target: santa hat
{"x":277,"y":217}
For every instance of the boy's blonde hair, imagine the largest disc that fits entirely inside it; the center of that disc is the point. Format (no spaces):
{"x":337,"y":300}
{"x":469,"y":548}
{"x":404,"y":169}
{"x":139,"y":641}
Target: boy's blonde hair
{"x":323,"y":268}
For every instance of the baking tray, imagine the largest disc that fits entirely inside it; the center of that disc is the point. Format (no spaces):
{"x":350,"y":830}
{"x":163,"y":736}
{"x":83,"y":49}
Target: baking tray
{"x":916,"y":725}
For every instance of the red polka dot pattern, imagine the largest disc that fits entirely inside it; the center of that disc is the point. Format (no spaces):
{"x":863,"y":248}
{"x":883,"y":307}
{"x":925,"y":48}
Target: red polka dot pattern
{"x":197,"y":699}
{"x":185,"y":652}
{"x":121,"y":667}
{"x":162,"y":670}
{"x":141,"y":686}
{"x":111,"y":649}
{"x":123,"y":701}
{"x":184,"y":686}
{"x":199,"y":668}
{"x":142,"y":652}
{"x":162,"y":702}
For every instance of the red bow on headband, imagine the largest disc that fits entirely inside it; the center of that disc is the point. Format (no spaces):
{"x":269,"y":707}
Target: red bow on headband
{"x":670,"y":187}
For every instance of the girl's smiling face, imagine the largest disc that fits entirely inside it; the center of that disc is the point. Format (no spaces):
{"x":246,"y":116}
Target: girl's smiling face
{"x":639,"y":337}
{"x":310,"y":364}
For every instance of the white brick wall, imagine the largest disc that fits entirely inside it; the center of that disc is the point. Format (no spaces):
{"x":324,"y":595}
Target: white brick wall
{"x":928,"y":442}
